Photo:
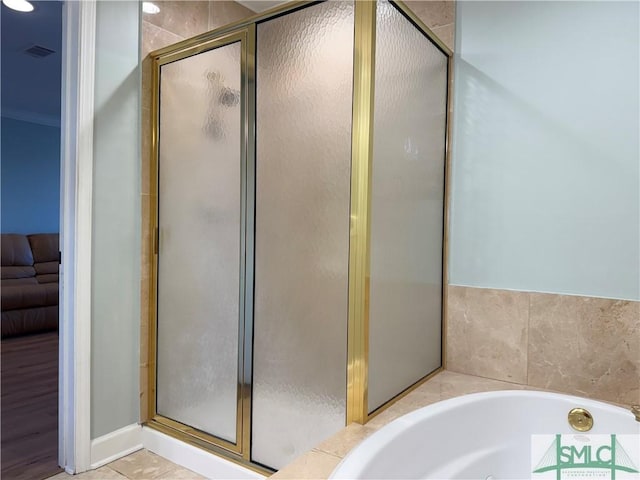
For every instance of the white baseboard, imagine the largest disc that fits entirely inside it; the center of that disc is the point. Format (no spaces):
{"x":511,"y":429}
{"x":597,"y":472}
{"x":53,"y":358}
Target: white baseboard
{"x":115,"y":445}
{"x":195,"y":459}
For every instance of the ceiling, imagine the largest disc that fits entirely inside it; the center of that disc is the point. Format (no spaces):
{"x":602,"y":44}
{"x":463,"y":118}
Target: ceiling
{"x":31,"y":86}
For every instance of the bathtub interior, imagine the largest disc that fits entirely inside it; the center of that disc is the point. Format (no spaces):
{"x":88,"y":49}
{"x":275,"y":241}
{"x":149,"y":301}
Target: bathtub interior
{"x":477,"y":436}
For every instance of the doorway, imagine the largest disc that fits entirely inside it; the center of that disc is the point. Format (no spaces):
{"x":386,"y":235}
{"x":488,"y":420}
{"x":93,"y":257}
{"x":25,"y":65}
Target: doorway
{"x":31,"y":99}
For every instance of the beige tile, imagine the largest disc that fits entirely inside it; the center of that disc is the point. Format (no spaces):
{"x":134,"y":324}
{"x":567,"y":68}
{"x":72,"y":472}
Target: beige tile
{"x":146,"y":172}
{"x":487,"y":333}
{"x":146,"y":259}
{"x":146,"y":93}
{"x":433,"y":13}
{"x":345,"y":440}
{"x":457,"y":384}
{"x":146,"y":246}
{"x":420,"y":398}
{"x":179,"y":473}
{"x":311,"y":465}
{"x":154,"y":37}
{"x":388,"y":415}
{"x":102,"y":473}
{"x":144,"y":392}
{"x":184,"y":18}
{"x":446,"y":33}
{"x":142,"y":465}
{"x":148,"y":203}
{"x":148,"y":207}
{"x":585,"y":346}
{"x":225,"y":12}
{"x":425,"y":394}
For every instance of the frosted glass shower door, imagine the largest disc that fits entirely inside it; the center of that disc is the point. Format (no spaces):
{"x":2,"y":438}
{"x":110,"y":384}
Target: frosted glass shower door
{"x":407,"y":206}
{"x":303,"y":150}
{"x":200,"y":253}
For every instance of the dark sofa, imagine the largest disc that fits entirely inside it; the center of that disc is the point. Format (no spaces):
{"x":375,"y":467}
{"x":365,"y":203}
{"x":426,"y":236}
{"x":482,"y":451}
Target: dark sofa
{"x":29,"y":291}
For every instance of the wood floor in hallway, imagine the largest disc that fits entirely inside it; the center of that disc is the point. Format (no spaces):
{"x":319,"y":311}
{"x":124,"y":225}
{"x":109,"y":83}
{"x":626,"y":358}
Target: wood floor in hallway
{"x":29,"y":430}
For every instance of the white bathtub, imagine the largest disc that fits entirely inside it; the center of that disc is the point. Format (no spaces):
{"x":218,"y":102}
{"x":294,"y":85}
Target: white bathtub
{"x":478,"y":436}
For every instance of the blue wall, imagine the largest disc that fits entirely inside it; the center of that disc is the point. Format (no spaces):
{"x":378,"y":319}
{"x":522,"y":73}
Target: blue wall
{"x":30,"y":168}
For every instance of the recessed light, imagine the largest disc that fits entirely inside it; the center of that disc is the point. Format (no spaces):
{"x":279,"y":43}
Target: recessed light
{"x":19,"y":5}
{"x":148,"y":7}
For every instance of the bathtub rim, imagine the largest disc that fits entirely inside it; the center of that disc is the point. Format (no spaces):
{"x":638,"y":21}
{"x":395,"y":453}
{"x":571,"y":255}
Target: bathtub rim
{"x":351,"y":465}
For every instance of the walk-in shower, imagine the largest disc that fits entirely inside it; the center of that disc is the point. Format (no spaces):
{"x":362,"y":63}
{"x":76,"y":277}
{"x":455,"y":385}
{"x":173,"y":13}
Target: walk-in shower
{"x":299,"y":159}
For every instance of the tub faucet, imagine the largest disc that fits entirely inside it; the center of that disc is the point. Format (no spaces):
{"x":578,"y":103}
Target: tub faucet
{"x":635,"y":409}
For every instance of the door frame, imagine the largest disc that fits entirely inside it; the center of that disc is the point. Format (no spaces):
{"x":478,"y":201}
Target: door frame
{"x":76,"y":194}
{"x":237,"y":451}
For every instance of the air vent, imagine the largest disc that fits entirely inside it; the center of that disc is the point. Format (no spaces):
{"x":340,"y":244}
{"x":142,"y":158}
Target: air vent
{"x":39,"y":51}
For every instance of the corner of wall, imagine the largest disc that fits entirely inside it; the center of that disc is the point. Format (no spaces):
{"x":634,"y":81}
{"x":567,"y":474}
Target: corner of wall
{"x":114,"y":445}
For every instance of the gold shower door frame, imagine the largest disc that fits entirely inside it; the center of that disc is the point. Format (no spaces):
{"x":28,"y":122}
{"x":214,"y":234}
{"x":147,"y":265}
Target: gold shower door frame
{"x":361,"y":194}
{"x":177,"y":52}
{"x":244,"y":31}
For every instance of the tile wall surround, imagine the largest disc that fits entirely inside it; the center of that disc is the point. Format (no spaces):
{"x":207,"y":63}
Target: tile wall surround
{"x":582,"y":346}
{"x":439,"y":16}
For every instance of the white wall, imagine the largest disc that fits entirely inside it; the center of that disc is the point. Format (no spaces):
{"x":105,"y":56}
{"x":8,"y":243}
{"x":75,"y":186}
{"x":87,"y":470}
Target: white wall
{"x":116,"y":214}
{"x":546,"y":187}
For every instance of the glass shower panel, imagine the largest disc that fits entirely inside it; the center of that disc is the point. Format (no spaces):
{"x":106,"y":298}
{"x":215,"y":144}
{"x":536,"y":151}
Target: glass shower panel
{"x":304,"y":87}
{"x":199,"y":249}
{"x":407,"y":206}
